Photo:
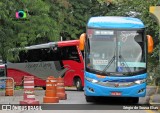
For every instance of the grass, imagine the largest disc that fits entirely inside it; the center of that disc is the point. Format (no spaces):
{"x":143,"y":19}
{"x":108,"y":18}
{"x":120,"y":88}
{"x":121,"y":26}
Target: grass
{"x":18,"y":88}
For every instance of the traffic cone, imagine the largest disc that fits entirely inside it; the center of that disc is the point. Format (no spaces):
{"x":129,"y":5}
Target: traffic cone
{"x":9,"y":91}
{"x":29,"y":96}
{"x":61,"y":89}
{"x":50,"y":94}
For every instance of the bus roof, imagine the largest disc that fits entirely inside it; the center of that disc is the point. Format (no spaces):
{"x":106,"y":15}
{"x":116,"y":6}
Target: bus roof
{"x":68,"y":43}
{"x":53,"y":44}
{"x":46,"y":45}
{"x":115,"y":22}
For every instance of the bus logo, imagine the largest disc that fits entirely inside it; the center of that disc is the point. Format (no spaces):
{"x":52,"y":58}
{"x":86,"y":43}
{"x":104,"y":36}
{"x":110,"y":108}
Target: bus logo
{"x":6,"y":107}
{"x":21,"y":14}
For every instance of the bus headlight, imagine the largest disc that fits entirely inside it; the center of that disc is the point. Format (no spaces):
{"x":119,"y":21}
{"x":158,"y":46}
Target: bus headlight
{"x":91,"y":80}
{"x":140,"y":81}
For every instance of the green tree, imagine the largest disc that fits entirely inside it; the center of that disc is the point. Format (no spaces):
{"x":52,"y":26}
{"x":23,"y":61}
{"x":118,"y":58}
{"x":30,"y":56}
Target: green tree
{"x":7,"y":37}
{"x":49,"y":20}
{"x":72,"y":15}
{"x":39,"y":27}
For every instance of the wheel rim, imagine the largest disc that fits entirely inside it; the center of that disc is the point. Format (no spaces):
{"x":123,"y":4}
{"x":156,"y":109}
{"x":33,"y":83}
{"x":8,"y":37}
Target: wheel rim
{"x":77,"y":83}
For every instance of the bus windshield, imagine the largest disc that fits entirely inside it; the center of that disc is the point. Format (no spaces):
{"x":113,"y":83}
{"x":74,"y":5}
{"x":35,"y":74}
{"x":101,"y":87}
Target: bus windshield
{"x":115,"y":51}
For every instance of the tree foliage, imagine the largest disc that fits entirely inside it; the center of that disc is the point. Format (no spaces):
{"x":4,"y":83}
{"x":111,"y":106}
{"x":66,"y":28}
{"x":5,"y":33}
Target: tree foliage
{"x":49,"y":20}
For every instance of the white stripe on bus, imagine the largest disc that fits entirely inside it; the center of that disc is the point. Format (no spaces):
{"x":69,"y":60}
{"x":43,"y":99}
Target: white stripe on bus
{"x":30,"y":96}
{"x":48,"y":84}
{"x":28,"y":81}
{"x":28,"y":86}
{"x":51,"y":80}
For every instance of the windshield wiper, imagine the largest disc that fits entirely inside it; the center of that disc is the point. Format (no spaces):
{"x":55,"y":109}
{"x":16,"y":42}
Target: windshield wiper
{"x":110,"y":62}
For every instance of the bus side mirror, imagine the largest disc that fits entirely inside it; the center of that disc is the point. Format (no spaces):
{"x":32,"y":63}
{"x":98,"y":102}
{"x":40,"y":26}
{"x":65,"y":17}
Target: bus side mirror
{"x":82,"y":41}
{"x":150,"y":43}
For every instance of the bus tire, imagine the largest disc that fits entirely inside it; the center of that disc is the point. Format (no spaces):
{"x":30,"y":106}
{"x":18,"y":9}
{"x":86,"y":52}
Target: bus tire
{"x":89,"y":99}
{"x":133,"y":100}
{"x":78,"y":84}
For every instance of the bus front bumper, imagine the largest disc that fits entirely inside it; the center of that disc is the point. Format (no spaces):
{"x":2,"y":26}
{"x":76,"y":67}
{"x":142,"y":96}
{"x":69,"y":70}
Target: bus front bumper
{"x":93,"y":89}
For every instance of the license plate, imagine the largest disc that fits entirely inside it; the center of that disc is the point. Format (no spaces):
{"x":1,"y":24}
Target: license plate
{"x":116,"y":93}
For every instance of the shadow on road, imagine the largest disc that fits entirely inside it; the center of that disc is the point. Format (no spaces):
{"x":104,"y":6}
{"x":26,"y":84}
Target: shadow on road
{"x":113,"y":101}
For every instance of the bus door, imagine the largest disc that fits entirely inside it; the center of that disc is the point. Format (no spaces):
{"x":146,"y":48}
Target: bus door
{"x":72,"y":59}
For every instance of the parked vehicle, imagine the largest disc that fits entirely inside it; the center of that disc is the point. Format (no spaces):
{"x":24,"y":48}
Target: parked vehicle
{"x":58,"y":59}
{"x":115,"y":57}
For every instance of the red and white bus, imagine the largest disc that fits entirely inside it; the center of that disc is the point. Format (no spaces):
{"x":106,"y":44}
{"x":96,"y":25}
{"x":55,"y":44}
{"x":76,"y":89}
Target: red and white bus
{"x":58,"y":59}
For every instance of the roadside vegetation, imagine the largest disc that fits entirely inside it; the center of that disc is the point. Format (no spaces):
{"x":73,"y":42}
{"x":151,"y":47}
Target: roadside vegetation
{"x":53,"y":20}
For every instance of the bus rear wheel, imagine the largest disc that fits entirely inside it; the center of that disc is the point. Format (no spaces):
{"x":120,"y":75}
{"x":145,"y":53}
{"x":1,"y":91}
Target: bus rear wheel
{"x":78,"y":84}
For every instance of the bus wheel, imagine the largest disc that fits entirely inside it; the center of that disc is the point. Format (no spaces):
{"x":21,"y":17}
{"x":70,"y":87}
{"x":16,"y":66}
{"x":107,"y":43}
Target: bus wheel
{"x":133,"y":100}
{"x":44,"y":88}
{"x":89,"y":99}
{"x":78,"y":84}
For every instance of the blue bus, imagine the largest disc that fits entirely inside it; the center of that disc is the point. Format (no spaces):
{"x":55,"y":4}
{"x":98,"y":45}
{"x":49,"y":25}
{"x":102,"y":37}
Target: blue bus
{"x":115,"y":55}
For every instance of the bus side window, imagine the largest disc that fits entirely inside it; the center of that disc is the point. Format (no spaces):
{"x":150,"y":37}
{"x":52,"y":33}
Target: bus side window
{"x":70,"y":53}
{"x":54,"y":55}
{"x":33,"y":55}
{"x":50,"y":55}
{"x":22,"y":56}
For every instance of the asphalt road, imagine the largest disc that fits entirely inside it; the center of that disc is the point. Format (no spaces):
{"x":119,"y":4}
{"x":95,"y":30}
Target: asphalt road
{"x":76,"y":103}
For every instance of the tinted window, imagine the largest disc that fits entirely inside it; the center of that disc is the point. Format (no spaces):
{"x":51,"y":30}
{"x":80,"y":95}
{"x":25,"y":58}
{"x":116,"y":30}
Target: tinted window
{"x":70,"y":53}
{"x":48,"y":54}
{"x":38,"y":55}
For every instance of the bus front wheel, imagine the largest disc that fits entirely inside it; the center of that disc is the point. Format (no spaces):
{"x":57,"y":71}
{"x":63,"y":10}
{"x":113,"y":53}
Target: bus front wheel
{"x":89,"y":99}
{"x":133,"y":100}
{"x":78,"y":84}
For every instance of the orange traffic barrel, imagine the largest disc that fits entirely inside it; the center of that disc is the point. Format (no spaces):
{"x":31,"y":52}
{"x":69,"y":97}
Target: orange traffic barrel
{"x":51,"y":91}
{"x":29,"y":95}
{"x":9,"y":91}
{"x":61,"y":89}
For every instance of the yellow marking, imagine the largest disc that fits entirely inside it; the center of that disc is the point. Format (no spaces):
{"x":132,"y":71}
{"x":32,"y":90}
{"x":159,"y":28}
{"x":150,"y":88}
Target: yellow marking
{"x":149,"y":111}
{"x":152,"y":9}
